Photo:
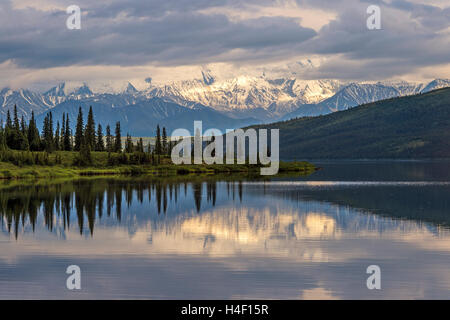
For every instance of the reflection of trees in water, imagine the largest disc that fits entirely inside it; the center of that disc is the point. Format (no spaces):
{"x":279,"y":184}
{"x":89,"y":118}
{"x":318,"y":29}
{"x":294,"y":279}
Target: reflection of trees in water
{"x":92,"y":199}
{"x":231,"y":189}
{"x":197,"y":187}
{"x":211,"y":192}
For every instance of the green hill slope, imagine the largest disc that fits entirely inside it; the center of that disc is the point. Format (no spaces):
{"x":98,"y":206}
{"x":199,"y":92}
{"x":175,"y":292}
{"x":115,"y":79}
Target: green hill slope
{"x":408,"y":127}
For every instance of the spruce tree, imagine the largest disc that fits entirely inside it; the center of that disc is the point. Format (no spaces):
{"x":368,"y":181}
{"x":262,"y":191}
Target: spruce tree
{"x":23,"y":127}
{"x":109,"y":142}
{"x":57,"y":137}
{"x":34,"y":140}
{"x":158,"y":141}
{"x":24,"y":133}
{"x":50,"y":133}
{"x":8,"y":120}
{"x":90,"y":130}
{"x":63,"y":132}
{"x":164,"y":140}
{"x":140,"y":145}
{"x":67,"y":136}
{"x":72,"y":142}
{"x":100,"y":143}
{"x":169,"y":147}
{"x":84,"y":157}
{"x":16,"y":120}
{"x":44,"y":131}
{"x":49,"y":139}
{"x":118,"y":138}
{"x":79,"y":131}
{"x":47,"y":133}
{"x":8,"y":130}
{"x":13,"y":132}
{"x":3,"y":145}
{"x":129,"y":147}
{"x":23,"y":142}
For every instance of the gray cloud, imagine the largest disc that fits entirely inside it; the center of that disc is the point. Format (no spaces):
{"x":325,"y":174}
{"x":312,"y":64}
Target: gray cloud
{"x":412,"y":36}
{"x":171,"y":38}
{"x":133,"y":33}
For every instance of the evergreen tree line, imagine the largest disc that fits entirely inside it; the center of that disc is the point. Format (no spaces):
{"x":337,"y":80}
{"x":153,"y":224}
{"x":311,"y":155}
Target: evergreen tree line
{"x":16,"y":134}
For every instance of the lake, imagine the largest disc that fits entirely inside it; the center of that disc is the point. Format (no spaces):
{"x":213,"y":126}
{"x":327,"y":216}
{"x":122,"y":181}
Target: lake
{"x":221,"y":238}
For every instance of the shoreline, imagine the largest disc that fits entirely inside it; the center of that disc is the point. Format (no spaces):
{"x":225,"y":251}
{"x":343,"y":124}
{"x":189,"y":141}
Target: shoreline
{"x":9,"y":171}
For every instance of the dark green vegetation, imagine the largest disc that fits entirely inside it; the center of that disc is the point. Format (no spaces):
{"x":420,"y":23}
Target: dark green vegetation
{"x":59,"y":164}
{"x":21,"y":145}
{"x":24,"y":153}
{"x":16,"y":134}
{"x":408,"y":127}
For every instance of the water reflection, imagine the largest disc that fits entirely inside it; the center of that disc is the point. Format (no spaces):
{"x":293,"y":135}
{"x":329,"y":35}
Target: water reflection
{"x":90,"y":200}
{"x":84,"y":203}
{"x":164,"y":238}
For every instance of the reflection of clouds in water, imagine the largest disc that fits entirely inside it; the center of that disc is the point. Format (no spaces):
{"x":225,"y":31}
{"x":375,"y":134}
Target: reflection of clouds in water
{"x":263,"y":247}
{"x":251,"y":226}
{"x":309,"y":232}
{"x":318,"y":294}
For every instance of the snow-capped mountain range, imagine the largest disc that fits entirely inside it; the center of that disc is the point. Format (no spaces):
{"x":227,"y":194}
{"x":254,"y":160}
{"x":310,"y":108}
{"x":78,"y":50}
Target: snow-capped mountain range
{"x":253,"y":99}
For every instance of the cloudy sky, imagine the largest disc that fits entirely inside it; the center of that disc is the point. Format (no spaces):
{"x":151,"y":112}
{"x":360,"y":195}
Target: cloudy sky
{"x":167,"y":40}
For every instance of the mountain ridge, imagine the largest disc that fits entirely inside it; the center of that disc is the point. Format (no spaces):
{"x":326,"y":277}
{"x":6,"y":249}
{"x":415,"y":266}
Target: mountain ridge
{"x":246,"y":99}
{"x":412,"y":127}
{"x":141,"y":118}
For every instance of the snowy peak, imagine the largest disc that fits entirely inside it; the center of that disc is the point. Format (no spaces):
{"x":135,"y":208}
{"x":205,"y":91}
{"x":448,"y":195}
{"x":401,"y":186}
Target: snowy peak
{"x":317,"y":91}
{"x":313,"y":91}
{"x":356,"y":94}
{"x":5,"y":91}
{"x":404,"y":88}
{"x":25,"y":100}
{"x":437,"y":84}
{"x":272,"y":98}
{"x":82,"y":91}
{"x":245,"y":93}
{"x":57,"y":91}
{"x":208,"y":78}
{"x":130,"y":89}
{"x":239,"y":97}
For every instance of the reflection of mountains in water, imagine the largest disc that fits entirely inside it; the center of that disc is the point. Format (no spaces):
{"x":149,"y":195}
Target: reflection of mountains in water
{"x":206,"y":210}
{"x":419,"y":201}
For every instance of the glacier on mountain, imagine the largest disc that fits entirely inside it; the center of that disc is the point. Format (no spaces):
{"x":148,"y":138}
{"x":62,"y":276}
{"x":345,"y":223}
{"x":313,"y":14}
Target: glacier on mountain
{"x":258,"y":97}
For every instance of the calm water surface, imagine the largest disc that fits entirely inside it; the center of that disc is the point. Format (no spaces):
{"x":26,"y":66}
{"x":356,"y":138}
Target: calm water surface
{"x":288,"y":238}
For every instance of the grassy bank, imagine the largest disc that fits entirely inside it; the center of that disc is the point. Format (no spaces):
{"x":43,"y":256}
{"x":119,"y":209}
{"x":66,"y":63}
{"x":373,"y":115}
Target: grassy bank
{"x":64,"y":168}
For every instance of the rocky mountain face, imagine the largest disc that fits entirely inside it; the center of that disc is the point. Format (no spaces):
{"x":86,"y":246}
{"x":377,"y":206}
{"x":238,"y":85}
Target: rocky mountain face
{"x":245,"y":99}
